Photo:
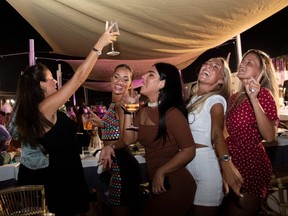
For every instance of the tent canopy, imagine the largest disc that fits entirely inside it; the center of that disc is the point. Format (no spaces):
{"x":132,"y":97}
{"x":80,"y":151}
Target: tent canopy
{"x":151,"y":31}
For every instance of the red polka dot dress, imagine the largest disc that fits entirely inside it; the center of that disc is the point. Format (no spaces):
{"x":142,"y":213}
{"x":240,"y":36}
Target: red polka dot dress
{"x":245,"y":143}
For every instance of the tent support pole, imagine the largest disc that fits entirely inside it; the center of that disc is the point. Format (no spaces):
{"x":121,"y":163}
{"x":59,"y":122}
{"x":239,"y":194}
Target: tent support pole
{"x":31,"y":52}
{"x":239,"y":49}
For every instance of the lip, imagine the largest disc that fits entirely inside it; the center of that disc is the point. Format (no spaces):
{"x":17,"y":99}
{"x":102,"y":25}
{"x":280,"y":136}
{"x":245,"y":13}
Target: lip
{"x":204,"y":73}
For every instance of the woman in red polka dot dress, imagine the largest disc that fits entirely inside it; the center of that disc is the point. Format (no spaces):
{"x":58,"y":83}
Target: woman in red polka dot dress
{"x":251,"y":118}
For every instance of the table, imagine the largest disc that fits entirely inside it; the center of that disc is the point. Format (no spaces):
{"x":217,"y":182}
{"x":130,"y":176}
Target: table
{"x":283,"y":114}
{"x":95,"y":180}
{"x":278,"y":151}
{"x":9,"y":174}
{"x":90,"y":166}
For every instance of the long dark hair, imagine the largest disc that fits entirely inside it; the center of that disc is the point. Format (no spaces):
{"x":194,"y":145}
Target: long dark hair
{"x":170,"y":96}
{"x":29,"y":121}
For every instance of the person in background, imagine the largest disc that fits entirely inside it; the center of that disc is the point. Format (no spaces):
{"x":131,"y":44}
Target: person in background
{"x":124,"y":185}
{"x":39,"y":121}
{"x":6,"y":154}
{"x":169,"y":146}
{"x":2,"y":118}
{"x":7,"y":107}
{"x":207,"y":108}
{"x":252,"y":117}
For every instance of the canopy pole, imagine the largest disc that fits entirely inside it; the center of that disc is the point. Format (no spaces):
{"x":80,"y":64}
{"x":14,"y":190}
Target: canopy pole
{"x":59,"y":76}
{"x":31,"y":52}
{"x":239,"y":49}
{"x":86,"y":96}
{"x":74,"y":99}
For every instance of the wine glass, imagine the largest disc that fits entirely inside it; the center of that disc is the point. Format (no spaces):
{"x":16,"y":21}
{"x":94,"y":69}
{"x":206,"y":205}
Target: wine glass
{"x":132,"y":105}
{"x":114,"y":29}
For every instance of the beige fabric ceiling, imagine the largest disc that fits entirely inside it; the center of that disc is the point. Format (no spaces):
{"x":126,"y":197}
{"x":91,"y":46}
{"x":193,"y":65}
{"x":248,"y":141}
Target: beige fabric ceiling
{"x":175,"y":31}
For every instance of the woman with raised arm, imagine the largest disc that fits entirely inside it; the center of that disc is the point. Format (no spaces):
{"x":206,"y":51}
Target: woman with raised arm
{"x":252,"y":117}
{"x":38,"y":120}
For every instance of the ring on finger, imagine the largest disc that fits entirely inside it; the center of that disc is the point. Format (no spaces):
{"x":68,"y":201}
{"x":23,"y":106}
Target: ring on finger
{"x":252,"y":90}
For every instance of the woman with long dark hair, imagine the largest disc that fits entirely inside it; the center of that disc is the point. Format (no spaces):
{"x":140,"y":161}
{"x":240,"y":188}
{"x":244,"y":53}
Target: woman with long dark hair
{"x":169,"y":146}
{"x":39,"y":121}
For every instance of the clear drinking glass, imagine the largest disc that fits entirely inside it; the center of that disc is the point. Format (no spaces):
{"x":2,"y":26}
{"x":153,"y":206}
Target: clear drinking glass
{"x":115,"y":28}
{"x":87,"y":121}
{"x":132,"y":105}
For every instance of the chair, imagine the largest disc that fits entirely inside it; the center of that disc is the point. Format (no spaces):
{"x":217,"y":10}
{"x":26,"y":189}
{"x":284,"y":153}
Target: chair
{"x":23,"y":200}
{"x":276,"y":203}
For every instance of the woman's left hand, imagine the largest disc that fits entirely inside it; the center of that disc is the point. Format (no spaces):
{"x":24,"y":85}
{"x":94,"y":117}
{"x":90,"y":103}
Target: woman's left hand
{"x":252,"y":86}
{"x":105,"y":158}
{"x":158,"y":184}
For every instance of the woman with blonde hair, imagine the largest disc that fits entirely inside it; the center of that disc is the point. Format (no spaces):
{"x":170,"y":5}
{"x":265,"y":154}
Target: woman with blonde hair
{"x":206,"y":112}
{"x":252,"y":117}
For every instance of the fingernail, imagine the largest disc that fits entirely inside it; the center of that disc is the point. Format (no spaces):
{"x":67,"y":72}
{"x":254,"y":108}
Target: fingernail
{"x":241,"y":195}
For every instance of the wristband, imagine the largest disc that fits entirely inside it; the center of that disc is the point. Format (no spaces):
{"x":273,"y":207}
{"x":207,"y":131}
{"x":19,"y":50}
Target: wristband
{"x":98,"y":52}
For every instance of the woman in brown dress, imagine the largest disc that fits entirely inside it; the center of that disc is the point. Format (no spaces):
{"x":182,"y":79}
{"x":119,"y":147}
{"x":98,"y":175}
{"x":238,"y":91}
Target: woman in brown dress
{"x":168,"y":142}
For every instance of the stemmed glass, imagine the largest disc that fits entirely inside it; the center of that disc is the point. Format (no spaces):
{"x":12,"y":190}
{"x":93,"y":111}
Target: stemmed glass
{"x":114,"y":29}
{"x":132,"y":105}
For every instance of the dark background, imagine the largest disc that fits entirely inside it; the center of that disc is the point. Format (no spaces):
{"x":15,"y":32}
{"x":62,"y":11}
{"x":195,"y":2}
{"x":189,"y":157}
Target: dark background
{"x":268,"y":36}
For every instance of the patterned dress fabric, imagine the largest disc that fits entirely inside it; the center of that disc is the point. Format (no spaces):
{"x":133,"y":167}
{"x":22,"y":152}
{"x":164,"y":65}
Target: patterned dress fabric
{"x":245,"y":143}
{"x":125,"y":171}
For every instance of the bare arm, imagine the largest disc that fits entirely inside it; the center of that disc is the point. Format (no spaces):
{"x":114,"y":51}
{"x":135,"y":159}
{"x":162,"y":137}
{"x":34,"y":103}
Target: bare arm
{"x":180,"y":160}
{"x":266,"y":126}
{"x":230,"y":173}
{"x":53,"y":102}
{"x":178,"y":125}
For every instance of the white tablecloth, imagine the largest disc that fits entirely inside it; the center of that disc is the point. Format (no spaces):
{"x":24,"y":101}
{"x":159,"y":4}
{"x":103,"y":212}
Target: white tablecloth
{"x":283,"y":114}
{"x":91,"y":161}
{"x":9,"y":171}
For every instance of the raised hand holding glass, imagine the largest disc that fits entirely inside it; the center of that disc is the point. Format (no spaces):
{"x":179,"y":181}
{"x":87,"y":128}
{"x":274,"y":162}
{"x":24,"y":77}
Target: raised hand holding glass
{"x":114,"y":29}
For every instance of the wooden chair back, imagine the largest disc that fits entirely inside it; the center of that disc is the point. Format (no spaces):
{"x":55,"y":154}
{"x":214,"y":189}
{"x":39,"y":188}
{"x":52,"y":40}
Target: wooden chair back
{"x":276,"y":203}
{"x":23,"y":200}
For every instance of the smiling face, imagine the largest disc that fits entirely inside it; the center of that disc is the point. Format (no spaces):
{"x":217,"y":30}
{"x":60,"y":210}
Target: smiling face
{"x":49,"y":86}
{"x":121,"y":80}
{"x":249,"y":67}
{"x":211,"y":72}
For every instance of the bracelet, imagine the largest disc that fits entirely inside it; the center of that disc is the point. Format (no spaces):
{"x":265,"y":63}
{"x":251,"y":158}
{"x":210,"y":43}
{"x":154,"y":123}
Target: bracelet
{"x":98,"y":52}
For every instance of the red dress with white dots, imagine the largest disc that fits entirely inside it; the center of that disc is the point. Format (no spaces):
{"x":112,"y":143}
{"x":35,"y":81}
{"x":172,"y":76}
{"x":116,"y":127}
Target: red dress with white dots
{"x":245,"y":143}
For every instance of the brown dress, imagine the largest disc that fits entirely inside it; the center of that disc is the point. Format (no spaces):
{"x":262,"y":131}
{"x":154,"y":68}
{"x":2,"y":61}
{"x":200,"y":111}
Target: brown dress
{"x":179,"y":199}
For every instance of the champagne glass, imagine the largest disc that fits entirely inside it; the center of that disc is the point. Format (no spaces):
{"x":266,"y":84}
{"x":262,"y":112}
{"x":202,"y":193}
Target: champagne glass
{"x":115,"y":28}
{"x":132,"y":105}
